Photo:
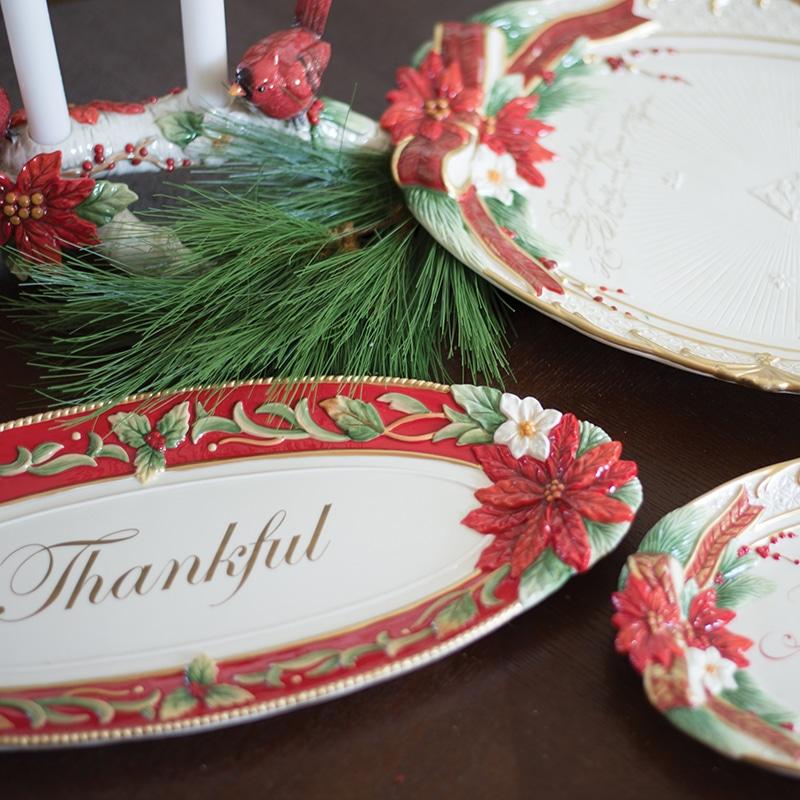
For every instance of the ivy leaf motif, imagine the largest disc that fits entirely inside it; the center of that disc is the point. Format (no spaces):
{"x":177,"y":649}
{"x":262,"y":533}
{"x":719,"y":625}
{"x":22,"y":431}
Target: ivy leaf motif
{"x":403,"y":402}
{"x":177,"y":704}
{"x":149,"y":463}
{"x":174,"y":425}
{"x":45,"y":451}
{"x":130,"y":428}
{"x":482,"y":404}
{"x":455,"y":615}
{"x":462,"y":428}
{"x":202,"y":670}
{"x":359,"y":420}
{"x":223,"y":695}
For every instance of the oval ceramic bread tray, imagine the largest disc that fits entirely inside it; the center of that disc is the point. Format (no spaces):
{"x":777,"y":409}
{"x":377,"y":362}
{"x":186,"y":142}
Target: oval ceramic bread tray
{"x":707,"y":611}
{"x":192,"y":561}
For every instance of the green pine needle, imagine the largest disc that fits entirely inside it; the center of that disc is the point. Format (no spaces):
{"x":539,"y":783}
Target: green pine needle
{"x":300,"y":261}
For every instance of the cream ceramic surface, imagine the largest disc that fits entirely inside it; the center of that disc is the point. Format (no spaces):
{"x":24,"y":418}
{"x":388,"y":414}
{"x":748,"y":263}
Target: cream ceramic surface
{"x":375,"y":553}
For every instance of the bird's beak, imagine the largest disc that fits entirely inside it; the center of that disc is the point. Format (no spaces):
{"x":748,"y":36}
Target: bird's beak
{"x":236,"y":90}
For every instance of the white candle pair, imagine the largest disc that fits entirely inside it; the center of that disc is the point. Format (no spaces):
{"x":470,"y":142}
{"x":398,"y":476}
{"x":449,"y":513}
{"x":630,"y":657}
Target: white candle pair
{"x":33,"y":49}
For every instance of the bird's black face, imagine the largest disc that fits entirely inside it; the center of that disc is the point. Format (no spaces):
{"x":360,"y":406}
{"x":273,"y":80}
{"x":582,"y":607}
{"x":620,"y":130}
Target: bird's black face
{"x":244,"y":78}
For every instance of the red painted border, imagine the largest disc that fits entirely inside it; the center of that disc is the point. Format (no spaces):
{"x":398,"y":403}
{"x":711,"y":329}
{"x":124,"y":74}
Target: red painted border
{"x":401,"y":627}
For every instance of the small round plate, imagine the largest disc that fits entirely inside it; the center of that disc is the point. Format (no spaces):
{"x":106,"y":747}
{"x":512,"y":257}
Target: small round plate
{"x":707,"y":612}
{"x":595,"y":161}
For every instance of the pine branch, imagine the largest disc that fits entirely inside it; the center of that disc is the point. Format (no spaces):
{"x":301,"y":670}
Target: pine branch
{"x":300,"y":261}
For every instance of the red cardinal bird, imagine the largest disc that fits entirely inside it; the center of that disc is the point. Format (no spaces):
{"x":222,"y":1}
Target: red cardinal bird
{"x":281,"y":74}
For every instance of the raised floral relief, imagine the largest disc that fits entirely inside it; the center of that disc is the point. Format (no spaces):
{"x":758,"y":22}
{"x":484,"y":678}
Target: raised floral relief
{"x":676,"y":620}
{"x":40,"y":210}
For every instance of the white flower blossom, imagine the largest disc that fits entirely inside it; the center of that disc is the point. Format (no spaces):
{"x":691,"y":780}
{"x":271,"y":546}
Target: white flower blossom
{"x":495,"y":175}
{"x":708,"y":671}
{"x":527,"y":427}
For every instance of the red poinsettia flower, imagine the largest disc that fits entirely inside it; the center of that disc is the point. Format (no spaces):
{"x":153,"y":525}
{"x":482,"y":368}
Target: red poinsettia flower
{"x":38,"y":210}
{"x":534,"y":504}
{"x":430,"y":99}
{"x":514,"y":131}
{"x":649,"y":623}
{"x":706,"y":628}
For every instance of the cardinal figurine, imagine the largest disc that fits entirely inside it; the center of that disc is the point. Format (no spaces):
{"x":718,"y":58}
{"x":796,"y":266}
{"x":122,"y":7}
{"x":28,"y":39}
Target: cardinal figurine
{"x":282,"y":73}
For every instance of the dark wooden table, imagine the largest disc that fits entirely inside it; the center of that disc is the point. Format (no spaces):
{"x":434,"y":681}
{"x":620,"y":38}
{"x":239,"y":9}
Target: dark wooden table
{"x":543,"y":707}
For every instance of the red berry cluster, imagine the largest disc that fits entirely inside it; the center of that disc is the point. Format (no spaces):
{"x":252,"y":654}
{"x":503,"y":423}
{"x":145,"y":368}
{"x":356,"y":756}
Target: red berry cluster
{"x":765,"y":550}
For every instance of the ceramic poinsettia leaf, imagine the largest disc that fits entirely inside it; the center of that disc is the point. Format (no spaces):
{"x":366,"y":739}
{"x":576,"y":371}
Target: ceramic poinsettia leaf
{"x":303,"y":542}
{"x":590,"y":159}
{"x":705,"y":612}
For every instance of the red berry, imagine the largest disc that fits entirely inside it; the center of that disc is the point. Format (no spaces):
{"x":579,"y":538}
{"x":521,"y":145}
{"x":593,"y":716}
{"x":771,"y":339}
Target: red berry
{"x":743,"y":551}
{"x":719,"y":578}
{"x":187,"y":162}
{"x":99,"y":158}
{"x":142,"y":151}
{"x":763,"y":551}
{"x":98,"y":148}
{"x":152,"y":99}
{"x":111,"y":164}
{"x":776,"y":556}
{"x":773,"y":539}
{"x":136,"y":161}
{"x":129,"y":148}
{"x":87,"y":166}
{"x":156,"y":440}
{"x":598,"y":299}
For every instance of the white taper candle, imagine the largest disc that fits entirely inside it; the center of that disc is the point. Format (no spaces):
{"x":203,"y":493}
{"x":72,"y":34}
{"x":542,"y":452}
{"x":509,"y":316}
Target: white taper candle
{"x":38,"y":74}
{"x":206,"y":52}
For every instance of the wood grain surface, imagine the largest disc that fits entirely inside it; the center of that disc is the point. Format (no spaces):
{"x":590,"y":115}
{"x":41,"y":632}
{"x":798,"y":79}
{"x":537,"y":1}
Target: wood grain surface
{"x":542,"y":708}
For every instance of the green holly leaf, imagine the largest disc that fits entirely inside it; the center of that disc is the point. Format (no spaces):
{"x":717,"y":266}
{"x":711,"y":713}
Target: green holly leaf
{"x":174,"y":425}
{"x":224,"y":695}
{"x":359,"y":420}
{"x":202,"y":670}
{"x":149,"y":463}
{"x":591,"y":436}
{"x":482,"y":404}
{"x":543,"y":577}
{"x":403,"y":402}
{"x":107,"y":199}
{"x":181,"y":127}
{"x":455,"y":615}
{"x":130,"y":428}
{"x":177,"y":704}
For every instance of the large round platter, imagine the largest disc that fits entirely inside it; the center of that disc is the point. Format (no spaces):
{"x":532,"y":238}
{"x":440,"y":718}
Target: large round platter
{"x":660,"y":211}
{"x":189,"y":561}
{"x":707,"y":612}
